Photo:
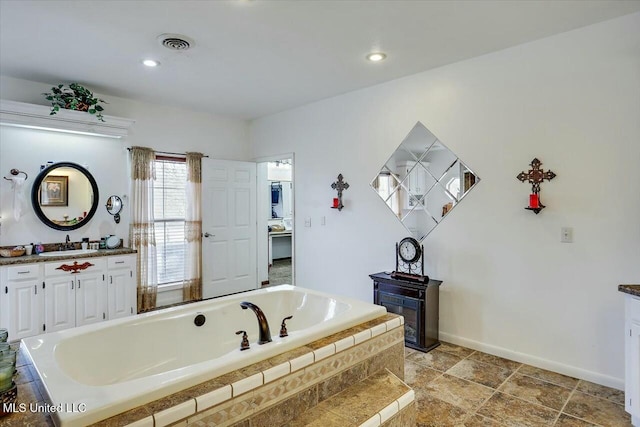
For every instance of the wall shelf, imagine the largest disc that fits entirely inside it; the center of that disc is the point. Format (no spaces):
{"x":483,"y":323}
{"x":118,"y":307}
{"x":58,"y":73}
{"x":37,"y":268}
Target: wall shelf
{"x":21,"y":114}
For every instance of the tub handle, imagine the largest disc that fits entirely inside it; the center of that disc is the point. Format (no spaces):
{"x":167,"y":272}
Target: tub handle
{"x":283,"y":327}
{"x":244,"y":345}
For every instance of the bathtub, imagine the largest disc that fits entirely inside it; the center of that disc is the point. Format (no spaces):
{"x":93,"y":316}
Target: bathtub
{"x":97,"y":371}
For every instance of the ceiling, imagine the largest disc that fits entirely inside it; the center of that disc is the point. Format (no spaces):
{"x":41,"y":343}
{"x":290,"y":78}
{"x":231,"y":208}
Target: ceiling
{"x":254,"y":58}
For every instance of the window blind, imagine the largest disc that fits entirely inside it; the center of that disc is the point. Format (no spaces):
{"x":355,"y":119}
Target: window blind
{"x":169,"y":212}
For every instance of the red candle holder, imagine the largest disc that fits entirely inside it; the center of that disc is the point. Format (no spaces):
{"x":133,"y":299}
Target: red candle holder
{"x":336,"y":202}
{"x":534,"y":200}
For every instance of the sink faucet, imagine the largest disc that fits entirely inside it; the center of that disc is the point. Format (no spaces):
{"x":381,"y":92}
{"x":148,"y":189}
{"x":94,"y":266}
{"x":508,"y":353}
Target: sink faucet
{"x":68,"y":244}
{"x":265,"y":333}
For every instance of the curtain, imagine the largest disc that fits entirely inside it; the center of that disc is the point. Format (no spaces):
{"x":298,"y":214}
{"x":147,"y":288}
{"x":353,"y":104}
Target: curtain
{"x":142,"y":231}
{"x":192,"y":288}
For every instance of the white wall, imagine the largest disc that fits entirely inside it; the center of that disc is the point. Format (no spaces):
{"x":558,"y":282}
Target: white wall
{"x":510,"y":287}
{"x":159,"y":127}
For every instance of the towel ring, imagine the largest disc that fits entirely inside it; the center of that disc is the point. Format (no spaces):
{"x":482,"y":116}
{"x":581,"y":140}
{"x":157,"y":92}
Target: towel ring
{"x":15,"y":172}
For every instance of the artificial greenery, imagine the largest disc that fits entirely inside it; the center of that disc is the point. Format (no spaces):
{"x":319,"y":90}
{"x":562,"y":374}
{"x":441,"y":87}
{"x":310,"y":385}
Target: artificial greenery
{"x":74,"y":97}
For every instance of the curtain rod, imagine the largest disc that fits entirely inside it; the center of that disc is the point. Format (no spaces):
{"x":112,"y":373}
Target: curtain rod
{"x":167,"y":152}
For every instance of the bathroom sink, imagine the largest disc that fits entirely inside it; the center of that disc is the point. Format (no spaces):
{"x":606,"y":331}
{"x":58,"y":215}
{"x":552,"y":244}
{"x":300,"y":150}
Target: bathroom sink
{"x":69,"y":253}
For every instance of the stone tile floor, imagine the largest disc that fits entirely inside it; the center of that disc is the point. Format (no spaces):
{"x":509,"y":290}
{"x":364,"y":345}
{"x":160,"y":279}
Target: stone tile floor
{"x":457,"y":386}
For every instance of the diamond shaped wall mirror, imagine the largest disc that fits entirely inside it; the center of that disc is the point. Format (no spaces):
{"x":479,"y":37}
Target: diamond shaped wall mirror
{"x":423,"y":181}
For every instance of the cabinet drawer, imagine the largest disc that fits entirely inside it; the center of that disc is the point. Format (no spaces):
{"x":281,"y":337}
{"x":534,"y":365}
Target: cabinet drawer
{"x":26,"y":271}
{"x":126,"y":261}
{"x":70,"y":266}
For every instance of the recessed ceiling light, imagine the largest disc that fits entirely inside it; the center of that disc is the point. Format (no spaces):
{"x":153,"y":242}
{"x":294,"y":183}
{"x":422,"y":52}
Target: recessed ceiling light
{"x":150,"y":63}
{"x":376,"y":56}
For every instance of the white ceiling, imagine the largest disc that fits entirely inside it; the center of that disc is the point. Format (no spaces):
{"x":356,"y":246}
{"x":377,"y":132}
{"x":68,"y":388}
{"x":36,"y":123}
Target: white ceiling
{"x":254,"y":58}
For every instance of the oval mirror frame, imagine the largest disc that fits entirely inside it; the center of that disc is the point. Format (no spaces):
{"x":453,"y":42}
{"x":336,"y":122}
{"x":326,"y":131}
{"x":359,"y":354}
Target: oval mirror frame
{"x":35,"y":196}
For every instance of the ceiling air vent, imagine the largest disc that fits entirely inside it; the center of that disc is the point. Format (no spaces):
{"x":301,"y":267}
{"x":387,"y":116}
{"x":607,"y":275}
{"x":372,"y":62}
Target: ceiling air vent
{"x":175,"y":42}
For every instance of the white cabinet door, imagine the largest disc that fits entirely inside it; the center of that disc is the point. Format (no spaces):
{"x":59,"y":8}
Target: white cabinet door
{"x":60,"y":303}
{"x":91,"y":298}
{"x":25,"y":302}
{"x":121,"y":303}
{"x":632,"y":358}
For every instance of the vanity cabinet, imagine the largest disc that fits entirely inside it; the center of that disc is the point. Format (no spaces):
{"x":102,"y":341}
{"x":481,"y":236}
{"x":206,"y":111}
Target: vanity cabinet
{"x":632,"y":358}
{"x":51,"y":296}
{"x":75,"y":293}
{"x":23,"y":292}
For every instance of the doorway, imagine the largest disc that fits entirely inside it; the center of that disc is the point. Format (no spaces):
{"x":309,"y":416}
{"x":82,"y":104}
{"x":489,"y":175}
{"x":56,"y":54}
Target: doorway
{"x":275,"y":221}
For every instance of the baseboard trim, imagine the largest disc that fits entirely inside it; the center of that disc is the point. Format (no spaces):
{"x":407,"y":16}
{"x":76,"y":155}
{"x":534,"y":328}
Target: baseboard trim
{"x":538,"y":362}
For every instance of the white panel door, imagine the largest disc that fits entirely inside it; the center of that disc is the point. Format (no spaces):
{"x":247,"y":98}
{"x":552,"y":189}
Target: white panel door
{"x":120,"y":301}
{"x":60,"y":303}
{"x":24,"y":298}
{"x":229,"y":227}
{"x":91,"y":298}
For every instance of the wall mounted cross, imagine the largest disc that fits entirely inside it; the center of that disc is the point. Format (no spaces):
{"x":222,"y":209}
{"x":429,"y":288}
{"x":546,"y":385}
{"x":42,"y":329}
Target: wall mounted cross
{"x":339,"y":185}
{"x":535,"y":176}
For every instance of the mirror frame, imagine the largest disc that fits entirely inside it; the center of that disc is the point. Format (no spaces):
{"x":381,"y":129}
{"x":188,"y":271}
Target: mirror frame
{"x":35,"y":196}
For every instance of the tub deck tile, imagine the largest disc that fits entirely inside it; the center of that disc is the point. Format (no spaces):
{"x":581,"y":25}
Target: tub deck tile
{"x":174,"y":413}
{"x":247,"y":384}
{"x":130,"y":417}
{"x":276,"y":372}
{"x":212,"y":398}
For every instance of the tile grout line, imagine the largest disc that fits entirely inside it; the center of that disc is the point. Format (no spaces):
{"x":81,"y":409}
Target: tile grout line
{"x":494,"y":393}
{"x":573,"y":390}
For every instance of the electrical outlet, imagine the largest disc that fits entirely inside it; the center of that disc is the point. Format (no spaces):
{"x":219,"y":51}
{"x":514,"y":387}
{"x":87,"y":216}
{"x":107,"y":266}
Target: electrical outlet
{"x":323,"y":220}
{"x":566,"y":235}
{"x":307,"y":222}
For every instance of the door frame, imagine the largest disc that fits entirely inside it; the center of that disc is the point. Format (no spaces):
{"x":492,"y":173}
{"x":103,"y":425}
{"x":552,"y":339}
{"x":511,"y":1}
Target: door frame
{"x":262,"y":256}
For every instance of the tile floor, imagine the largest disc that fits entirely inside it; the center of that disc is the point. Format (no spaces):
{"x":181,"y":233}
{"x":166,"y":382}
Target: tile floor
{"x":457,"y":386}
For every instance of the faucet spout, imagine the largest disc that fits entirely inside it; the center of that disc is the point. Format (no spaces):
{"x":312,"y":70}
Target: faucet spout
{"x":265,"y":333}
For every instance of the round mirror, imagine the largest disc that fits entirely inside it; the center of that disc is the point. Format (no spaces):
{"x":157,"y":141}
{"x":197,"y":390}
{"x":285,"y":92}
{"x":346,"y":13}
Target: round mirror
{"x":114,"y":206}
{"x":65,"y":196}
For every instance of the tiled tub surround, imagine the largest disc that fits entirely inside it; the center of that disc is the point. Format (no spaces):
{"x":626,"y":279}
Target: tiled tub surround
{"x":275,"y":391}
{"x":121,"y":364}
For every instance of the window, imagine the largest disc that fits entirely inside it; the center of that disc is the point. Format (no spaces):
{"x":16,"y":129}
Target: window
{"x":169,"y":202}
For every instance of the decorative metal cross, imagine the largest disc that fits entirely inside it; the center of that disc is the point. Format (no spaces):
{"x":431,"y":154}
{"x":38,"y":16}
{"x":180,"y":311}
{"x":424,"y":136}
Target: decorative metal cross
{"x":340,"y":185}
{"x":535,"y":175}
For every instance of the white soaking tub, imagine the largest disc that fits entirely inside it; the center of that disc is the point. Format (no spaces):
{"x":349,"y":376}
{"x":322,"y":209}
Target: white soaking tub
{"x":98,"y":371}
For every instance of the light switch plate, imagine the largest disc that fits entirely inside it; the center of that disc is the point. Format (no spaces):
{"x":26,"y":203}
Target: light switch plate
{"x":566,"y":235}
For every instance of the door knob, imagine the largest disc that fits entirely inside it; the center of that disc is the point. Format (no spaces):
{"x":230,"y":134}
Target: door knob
{"x":209,"y":235}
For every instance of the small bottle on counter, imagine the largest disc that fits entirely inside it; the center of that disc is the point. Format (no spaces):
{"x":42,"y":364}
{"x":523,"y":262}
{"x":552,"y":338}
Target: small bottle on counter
{"x":103,"y":243}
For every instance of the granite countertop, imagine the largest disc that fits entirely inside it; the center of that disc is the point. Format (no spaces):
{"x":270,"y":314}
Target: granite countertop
{"x":630,"y":289}
{"x":26,"y":259}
